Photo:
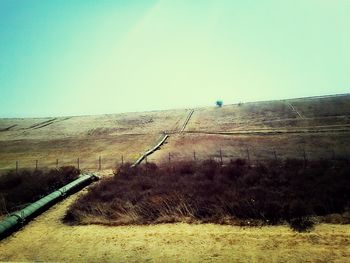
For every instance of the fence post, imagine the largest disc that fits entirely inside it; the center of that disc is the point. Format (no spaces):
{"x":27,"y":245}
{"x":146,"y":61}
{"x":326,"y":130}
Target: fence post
{"x":275,"y":154}
{"x":305,"y":157}
{"x":248,"y":156}
{"x":169,"y":158}
{"x":16,"y":167}
{"x":99,"y":163}
{"x":78,"y":163}
{"x":194,"y":155}
{"x":333,"y":154}
{"x":36,"y":164}
{"x":221,"y":157}
{"x":122,"y":159}
{"x":56,"y":163}
{"x":146,"y":160}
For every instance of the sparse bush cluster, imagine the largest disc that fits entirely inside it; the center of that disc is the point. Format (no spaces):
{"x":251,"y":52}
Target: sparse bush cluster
{"x":267,"y":193}
{"x":19,"y":189}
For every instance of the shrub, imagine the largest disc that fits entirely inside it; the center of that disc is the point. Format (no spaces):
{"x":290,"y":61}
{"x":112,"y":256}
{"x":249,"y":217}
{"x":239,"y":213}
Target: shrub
{"x":301,"y":224}
{"x":185,"y":168}
{"x":209,"y":192}
{"x":298,"y":209}
{"x":19,"y":189}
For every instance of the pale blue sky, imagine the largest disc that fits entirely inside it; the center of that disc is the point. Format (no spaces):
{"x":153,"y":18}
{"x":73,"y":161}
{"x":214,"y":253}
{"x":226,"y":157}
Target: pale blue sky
{"x":77,"y":57}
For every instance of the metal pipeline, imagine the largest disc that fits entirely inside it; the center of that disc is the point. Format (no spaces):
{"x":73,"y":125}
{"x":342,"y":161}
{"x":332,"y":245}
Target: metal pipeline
{"x":143,"y":156}
{"x":17,"y":219}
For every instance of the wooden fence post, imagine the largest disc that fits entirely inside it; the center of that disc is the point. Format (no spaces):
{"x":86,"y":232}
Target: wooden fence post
{"x":99,"y":163}
{"x":248,"y":156}
{"x":275,"y":154}
{"x":78,"y":163}
{"x":305,"y":157}
{"x":122,"y":159}
{"x":56,"y":163}
{"x":36,"y":164}
{"x":16,"y":167}
{"x":194,"y":155}
{"x":333,"y":154}
{"x":221,"y":157}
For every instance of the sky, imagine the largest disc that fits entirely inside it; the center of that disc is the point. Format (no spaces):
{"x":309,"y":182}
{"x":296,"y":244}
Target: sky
{"x":79,"y":57}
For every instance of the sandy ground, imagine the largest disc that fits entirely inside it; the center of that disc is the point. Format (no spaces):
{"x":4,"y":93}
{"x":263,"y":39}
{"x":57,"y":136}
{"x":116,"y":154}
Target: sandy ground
{"x":47,"y":239}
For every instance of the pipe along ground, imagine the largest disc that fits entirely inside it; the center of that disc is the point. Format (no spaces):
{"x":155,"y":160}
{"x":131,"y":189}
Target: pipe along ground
{"x":166,"y":136}
{"x":17,"y":219}
{"x":143,"y":156}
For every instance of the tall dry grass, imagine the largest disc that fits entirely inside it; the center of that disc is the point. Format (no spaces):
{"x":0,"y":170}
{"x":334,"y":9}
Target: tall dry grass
{"x":268,"y":193}
{"x":27,"y":186}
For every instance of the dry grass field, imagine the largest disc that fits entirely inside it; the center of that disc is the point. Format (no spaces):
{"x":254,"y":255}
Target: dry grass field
{"x":320,"y":126}
{"x":308,"y":114}
{"x":85,"y":137}
{"x":271,"y":193}
{"x":316,"y":145}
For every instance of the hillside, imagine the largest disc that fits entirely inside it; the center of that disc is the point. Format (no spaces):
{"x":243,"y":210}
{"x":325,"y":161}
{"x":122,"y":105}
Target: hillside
{"x":84,"y":137}
{"x":320,"y":126}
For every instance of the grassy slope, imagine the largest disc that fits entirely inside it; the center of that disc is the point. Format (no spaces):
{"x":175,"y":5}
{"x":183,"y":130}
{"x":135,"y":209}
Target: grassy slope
{"x":86,"y":137}
{"x":47,"y":236}
{"x":313,"y":113}
{"x":321,"y":127}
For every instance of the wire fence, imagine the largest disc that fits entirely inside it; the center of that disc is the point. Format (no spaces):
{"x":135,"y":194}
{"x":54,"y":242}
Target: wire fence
{"x":252,"y":155}
{"x":222,"y":155}
{"x":84,"y":164}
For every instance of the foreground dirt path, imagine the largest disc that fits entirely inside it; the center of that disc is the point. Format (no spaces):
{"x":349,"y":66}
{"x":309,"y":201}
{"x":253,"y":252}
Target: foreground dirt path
{"x":47,"y":239}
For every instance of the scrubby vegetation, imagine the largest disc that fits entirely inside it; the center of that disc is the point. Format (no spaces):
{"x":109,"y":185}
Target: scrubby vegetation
{"x":235,"y":193}
{"x":19,"y":189}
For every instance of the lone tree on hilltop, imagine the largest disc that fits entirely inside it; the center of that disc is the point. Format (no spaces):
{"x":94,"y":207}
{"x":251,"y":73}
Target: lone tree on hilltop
{"x":219,"y":103}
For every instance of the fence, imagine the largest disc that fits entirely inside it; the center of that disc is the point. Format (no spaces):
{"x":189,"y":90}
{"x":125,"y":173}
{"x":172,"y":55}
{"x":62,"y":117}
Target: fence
{"x":252,"y":155}
{"x":85,"y":164}
{"x":222,"y":155}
